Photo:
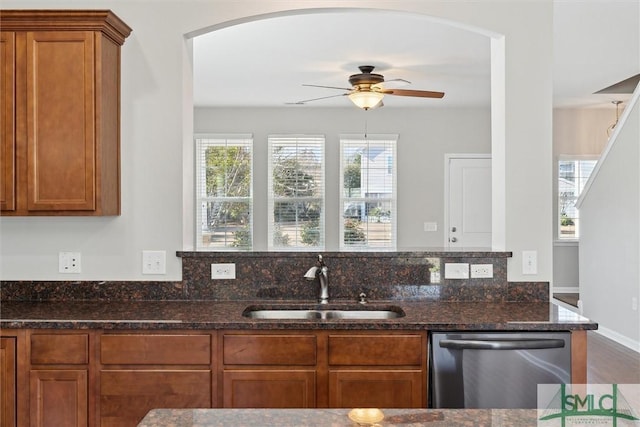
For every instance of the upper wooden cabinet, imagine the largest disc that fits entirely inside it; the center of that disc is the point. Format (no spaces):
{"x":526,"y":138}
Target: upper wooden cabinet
{"x":60,"y":112}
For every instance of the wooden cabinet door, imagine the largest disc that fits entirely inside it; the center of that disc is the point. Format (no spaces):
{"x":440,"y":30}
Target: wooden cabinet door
{"x":375,"y":388}
{"x":58,"y":398}
{"x":60,"y":120}
{"x":127,"y":395}
{"x":7,"y":382}
{"x":7,"y":121}
{"x":258,"y":388}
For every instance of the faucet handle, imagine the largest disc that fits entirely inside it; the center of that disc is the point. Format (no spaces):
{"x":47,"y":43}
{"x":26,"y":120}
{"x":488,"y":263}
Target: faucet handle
{"x":363,"y":298}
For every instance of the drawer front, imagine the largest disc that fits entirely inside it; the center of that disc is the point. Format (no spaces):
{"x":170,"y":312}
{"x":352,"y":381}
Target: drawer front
{"x":376,"y":350}
{"x":269,"y":350}
{"x":155,"y":349}
{"x":54,"y":349}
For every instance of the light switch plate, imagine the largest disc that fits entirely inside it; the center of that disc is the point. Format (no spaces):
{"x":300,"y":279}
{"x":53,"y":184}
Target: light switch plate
{"x":529,"y":262}
{"x":154,"y":262}
{"x":430,"y":226}
{"x":456,"y":270}
{"x":223,"y":271}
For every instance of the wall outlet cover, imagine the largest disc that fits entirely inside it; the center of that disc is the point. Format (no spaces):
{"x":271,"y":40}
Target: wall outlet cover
{"x":481,"y":271}
{"x":69,"y":262}
{"x":223,"y":271}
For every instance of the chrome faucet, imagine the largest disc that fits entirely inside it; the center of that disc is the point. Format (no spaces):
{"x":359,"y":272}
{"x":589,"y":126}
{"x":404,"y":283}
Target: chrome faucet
{"x":321,"y":271}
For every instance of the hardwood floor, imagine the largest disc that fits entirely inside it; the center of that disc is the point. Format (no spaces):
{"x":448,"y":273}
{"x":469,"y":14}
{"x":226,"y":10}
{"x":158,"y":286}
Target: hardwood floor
{"x":609,"y":362}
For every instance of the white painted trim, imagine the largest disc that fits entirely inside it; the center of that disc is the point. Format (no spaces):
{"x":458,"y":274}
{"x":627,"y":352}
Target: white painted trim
{"x":447,"y":162}
{"x":620,"y":339}
{"x":612,"y":140}
{"x":566,"y":289}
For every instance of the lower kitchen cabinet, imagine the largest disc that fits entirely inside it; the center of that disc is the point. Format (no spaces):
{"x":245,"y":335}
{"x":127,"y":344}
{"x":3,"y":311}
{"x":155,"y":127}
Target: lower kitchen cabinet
{"x":142,"y":371}
{"x":127,"y":395}
{"x":379,"y":370}
{"x":269,"y":370}
{"x":58,"y":398}
{"x":8,"y":379}
{"x":101,"y":378}
{"x":376,"y":388}
{"x":297,"y":369}
{"x":255,"y":388}
{"x":58,"y":379}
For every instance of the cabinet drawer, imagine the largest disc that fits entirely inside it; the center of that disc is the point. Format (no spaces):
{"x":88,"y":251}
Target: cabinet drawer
{"x":269,"y":350}
{"x":155,"y":349}
{"x":376,"y":350}
{"x":52,"y":349}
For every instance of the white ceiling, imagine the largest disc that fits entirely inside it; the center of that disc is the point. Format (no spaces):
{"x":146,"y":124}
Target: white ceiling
{"x":265,"y":63}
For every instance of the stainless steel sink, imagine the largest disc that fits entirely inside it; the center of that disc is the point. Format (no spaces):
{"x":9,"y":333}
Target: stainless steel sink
{"x":346,"y":313}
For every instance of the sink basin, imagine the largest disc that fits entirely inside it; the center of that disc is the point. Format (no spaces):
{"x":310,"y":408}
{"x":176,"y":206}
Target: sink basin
{"x":329,"y":313}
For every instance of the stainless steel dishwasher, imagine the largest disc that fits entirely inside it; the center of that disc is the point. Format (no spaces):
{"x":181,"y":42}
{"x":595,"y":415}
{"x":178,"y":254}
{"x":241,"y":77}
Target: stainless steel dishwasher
{"x":496,"y":369}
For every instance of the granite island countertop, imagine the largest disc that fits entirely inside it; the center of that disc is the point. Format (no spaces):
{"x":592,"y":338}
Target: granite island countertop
{"x":192,"y":315}
{"x":337,"y":418}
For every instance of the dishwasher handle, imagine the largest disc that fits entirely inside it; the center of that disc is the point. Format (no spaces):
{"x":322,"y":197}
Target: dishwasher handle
{"x":490,"y":344}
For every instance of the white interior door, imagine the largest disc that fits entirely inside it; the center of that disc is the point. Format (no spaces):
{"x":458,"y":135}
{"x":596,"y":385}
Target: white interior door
{"x":469,"y":203}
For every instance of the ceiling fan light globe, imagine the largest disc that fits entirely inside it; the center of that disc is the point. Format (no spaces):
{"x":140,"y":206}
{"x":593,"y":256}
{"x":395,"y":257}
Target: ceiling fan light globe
{"x":366,"y":99}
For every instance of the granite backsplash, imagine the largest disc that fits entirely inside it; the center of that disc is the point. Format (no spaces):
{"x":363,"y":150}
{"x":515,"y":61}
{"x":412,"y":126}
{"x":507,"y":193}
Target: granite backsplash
{"x":409,"y":276}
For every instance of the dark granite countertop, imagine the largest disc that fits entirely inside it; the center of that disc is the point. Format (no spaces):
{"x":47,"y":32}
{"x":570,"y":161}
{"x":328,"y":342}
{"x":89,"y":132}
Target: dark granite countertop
{"x":228,"y":315}
{"x":337,"y":417}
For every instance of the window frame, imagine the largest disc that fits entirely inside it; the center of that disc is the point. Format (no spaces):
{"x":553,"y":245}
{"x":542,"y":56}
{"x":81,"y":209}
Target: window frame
{"x":577,"y":159}
{"x":200,"y":148}
{"x":393,"y":200}
{"x":272,"y":199}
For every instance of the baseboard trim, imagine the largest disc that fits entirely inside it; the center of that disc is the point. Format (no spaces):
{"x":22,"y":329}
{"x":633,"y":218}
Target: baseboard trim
{"x":566,"y":289}
{"x":619,"y":338}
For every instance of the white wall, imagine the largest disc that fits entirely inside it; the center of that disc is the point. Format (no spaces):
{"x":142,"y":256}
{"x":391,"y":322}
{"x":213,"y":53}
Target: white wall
{"x":156,"y":122}
{"x":610,"y":240}
{"x":576,"y":132}
{"x":425,"y":135}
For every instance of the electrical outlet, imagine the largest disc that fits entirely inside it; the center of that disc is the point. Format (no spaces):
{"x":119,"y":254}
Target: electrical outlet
{"x":529,"y":262}
{"x":154,"y":262}
{"x":69,"y":262}
{"x":481,"y":271}
{"x":457,"y":270}
{"x":223,"y":271}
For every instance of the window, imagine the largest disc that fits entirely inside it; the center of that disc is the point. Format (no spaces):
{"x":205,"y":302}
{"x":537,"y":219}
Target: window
{"x":223,"y":185}
{"x":296,"y":192}
{"x":368,"y":197}
{"x":573,"y":174}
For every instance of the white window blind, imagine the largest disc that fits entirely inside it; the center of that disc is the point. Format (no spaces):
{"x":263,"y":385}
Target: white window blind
{"x":368,"y":166}
{"x":573,"y":174}
{"x":296,"y":192}
{"x":224,"y":192}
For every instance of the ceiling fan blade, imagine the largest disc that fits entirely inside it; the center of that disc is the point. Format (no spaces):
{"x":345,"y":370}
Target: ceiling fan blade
{"x":329,"y":87}
{"x":409,"y":92}
{"x":314,"y":99}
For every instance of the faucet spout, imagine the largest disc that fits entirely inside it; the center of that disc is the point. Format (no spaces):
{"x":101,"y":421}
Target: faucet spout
{"x":311,"y":273}
{"x":321,"y":271}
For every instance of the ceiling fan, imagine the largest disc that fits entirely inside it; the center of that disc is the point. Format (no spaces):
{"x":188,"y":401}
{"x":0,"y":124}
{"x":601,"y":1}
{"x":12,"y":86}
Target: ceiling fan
{"x":368,"y":89}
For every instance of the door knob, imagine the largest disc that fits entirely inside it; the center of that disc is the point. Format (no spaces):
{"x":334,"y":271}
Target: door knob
{"x":453,"y":239}
{"x":454,"y":229}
